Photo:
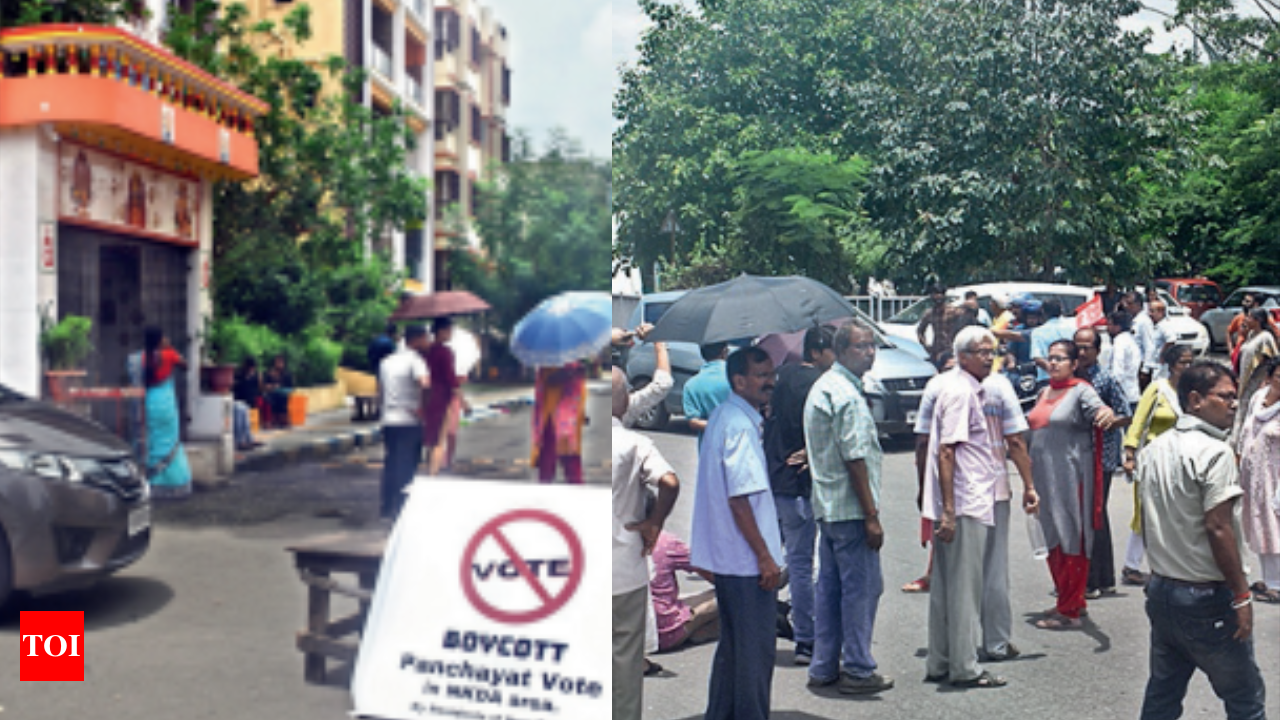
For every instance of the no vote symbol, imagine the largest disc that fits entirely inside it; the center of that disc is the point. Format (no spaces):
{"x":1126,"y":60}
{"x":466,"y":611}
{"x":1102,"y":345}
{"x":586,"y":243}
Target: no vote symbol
{"x":522,"y":566}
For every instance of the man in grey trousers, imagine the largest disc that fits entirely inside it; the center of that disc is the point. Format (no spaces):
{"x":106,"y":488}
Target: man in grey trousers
{"x":637,"y":465}
{"x":959,"y":497}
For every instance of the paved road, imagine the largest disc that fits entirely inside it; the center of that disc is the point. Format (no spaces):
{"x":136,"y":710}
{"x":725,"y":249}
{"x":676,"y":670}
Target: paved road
{"x":1094,"y":674}
{"x":203,"y":626}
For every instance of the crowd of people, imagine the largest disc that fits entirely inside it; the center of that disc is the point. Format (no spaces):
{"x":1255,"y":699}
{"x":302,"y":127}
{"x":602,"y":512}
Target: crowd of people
{"x":790,"y":472}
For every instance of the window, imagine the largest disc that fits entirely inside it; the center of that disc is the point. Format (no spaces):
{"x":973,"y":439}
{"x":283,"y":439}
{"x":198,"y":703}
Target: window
{"x":506,"y":85}
{"x":477,"y":126}
{"x":477,"y":50}
{"x":448,"y":34}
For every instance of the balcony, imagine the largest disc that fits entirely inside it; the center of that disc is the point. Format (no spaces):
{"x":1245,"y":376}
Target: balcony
{"x":413,"y":91}
{"x":447,"y":146}
{"x":105,"y":86}
{"x":382,"y":62}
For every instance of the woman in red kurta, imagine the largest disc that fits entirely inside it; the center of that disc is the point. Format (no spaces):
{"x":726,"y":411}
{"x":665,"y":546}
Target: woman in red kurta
{"x":1066,"y":459}
{"x":440,"y":397}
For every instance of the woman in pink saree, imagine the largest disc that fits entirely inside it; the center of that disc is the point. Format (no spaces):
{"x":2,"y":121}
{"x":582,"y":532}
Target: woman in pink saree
{"x":559,"y":412}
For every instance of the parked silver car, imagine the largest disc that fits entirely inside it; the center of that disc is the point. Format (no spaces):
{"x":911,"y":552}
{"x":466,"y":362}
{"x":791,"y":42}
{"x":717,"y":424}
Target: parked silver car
{"x":73,"y":505}
{"x":1218,"y":320}
{"x":894,"y":384}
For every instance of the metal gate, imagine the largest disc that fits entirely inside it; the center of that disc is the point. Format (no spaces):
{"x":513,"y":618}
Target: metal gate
{"x":124,"y":285}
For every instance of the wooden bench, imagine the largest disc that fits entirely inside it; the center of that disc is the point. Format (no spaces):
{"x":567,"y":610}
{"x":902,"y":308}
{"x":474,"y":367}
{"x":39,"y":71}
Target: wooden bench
{"x":316,"y":560}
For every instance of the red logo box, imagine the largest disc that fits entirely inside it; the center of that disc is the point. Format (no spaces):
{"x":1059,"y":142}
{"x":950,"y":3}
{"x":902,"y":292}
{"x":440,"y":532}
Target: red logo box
{"x":52,"y":646}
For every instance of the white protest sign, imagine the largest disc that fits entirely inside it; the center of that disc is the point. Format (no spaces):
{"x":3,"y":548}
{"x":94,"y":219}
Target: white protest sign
{"x":492,"y":604}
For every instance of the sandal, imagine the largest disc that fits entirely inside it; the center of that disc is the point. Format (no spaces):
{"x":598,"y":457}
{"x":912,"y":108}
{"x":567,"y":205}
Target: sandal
{"x":985,"y":680}
{"x":1053,"y":612}
{"x":652,"y":668}
{"x":1060,"y":622}
{"x":919,"y":585}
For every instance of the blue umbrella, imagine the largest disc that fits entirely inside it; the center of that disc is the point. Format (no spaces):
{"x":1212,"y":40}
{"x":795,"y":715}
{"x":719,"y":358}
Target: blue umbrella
{"x":564,"y":328}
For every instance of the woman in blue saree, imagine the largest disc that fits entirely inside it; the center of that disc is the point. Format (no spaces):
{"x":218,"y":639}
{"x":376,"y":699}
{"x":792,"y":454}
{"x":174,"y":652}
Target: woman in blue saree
{"x":167,"y":467}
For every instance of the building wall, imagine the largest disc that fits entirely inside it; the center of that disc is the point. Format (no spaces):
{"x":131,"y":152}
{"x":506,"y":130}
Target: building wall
{"x":20,"y":173}
{"x":354,"y":29}
{"x":469,"y":68}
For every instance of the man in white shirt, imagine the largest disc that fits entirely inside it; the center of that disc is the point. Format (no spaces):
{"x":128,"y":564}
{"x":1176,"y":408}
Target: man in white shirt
{"x":1126,"y":356}
{"x":401,"y":379}
{"x":1198,"y":598}
{"x":1144,"y":331}
{"x":636,"y":464}
{"x":1161,"y":337}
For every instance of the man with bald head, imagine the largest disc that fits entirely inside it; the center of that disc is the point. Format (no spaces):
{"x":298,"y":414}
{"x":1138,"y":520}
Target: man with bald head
{"x":637,"y":465}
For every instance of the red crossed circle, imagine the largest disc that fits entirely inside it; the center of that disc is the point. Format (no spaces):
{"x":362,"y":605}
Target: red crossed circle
{"x":550,"y":603}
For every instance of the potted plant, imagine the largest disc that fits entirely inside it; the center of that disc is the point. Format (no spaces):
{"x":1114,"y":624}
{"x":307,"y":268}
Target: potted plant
{"x":65,"y":345}
{"x":221,"y":349}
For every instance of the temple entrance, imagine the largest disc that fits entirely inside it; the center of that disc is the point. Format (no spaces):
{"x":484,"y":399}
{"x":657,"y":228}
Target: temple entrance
{"x":123,"y":285}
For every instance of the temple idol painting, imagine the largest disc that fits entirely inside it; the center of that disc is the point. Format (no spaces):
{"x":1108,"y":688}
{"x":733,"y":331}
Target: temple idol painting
{"x":105,"y":189}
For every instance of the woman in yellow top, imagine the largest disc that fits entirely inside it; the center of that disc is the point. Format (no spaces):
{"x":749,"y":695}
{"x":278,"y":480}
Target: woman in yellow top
{"x":1158,"y":411}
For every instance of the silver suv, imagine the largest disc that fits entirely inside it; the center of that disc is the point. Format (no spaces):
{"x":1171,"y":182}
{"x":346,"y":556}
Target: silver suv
{"x":74,"y":507}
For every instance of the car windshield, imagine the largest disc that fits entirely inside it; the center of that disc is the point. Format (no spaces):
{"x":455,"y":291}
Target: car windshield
{"x":1199,"y":294}
{"x":1235,"y":300}
{"x":653,"y":311}
{"x":911,"y":314}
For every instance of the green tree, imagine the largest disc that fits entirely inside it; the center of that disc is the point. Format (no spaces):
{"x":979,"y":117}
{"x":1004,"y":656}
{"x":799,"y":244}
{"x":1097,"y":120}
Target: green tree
{"x":1004,"y":136}
{"x":542,"y":225}
{"x":14,"y":13}
{"x":332,"y":171}
{"x":291,"y":248}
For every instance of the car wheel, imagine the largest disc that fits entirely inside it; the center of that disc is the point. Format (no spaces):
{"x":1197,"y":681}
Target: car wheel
{"x":6,"y":571}
{"x":658,"y":417}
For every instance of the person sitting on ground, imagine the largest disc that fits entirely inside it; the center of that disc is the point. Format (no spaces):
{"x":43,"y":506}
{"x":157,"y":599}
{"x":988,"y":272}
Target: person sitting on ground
{"x":278,"y":386}
{"x":693,"y":620}
{"x":247,"y":392}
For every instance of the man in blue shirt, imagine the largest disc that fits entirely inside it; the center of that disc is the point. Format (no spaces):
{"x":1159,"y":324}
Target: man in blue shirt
{"x":1055,"y":328}
{"x":704,"y":392}
{"x":736,"y":536}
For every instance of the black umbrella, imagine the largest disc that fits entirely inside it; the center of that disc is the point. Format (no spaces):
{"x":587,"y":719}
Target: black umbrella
{"x":749,"y":306}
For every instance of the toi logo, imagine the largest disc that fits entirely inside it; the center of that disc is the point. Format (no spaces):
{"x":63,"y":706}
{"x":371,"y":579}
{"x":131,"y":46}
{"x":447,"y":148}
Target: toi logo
{"x":52,"y":646}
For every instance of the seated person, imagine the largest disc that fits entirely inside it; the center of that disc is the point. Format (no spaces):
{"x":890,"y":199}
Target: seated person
{"x":692,"y":620}
{"x":278,"y":386}
{"x":247,"y":392}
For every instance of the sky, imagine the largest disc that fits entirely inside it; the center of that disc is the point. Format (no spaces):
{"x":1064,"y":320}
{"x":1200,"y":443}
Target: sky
{"x":561,"y":73}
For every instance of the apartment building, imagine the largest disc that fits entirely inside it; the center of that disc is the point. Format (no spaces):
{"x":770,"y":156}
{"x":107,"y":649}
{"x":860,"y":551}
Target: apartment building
{"x":390,"y":39}
{"x":472,"y":93}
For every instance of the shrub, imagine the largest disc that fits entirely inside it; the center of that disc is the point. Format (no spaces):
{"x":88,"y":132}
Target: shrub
{"x":314,"y":357}
{"x":228,"y":341}
{"x":65,"y":344}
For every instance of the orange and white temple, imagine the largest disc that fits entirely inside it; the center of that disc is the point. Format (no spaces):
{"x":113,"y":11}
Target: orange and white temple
{"x":109,"y":150}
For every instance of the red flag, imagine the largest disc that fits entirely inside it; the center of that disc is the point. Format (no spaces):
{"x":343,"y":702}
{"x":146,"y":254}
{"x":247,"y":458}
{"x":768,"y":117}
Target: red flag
{"x":1091,"y":313}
